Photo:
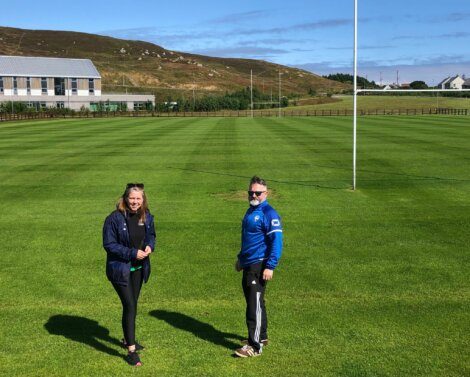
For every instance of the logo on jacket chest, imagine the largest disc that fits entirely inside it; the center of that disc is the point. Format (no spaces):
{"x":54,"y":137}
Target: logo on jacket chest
{"x":254,"y":222}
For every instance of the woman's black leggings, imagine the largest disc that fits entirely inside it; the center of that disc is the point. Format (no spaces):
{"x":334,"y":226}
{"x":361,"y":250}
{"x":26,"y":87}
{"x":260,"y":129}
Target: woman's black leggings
{"x":129,"y":296}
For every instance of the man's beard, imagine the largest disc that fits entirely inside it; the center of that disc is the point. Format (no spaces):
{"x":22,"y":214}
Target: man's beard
{"x":254,"y":202}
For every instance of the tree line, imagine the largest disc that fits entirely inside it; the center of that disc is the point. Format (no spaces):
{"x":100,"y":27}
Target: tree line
{"x":239,"y":100}
{"x":363,"y":83}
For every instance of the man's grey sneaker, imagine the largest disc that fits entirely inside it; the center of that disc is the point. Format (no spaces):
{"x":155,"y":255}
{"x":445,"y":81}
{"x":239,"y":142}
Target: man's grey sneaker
{"x":247,"y":351}
{"x":264,"y":342}
{"x":133,"y":359}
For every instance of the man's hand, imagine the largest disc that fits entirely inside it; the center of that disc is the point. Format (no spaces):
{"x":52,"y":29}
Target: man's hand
{"x":238,"y":268}
{"x":148,"y":250}
{"x":267,"y":274}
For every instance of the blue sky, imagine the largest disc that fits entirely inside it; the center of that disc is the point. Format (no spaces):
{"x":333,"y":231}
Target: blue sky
{"x":422,"y":39}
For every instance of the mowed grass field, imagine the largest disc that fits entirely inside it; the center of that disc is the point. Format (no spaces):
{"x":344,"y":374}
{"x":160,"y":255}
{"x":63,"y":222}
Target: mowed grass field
{"x":389,"y":102}
{"x":372,"y":282}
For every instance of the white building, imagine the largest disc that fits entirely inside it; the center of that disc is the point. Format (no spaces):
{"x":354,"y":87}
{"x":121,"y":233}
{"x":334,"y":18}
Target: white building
{"x":455,"y":82}
{"x":60,"y":82}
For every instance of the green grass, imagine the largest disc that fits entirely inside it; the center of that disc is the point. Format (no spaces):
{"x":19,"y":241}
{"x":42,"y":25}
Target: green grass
{"x":372,"y":283}
{"x":371,"y":102}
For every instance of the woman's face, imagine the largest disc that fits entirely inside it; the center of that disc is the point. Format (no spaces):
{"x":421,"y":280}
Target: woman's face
{"x":135,"y":200}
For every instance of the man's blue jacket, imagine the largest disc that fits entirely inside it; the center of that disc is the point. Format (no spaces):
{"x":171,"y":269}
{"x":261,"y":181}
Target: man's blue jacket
{"x":120,"y":254}
{"x":261,"y":236}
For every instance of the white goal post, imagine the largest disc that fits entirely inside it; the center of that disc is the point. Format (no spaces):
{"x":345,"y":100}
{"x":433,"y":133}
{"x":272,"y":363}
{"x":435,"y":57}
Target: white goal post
{"x":356,"y":91}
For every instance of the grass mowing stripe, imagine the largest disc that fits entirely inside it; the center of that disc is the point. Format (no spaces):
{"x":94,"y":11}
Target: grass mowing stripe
{"x":426,"y":142}
{"x":315,"y":151}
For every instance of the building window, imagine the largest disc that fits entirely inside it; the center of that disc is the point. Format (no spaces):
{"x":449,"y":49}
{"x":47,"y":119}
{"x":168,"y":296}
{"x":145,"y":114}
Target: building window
{"x":15,"y":85}
{"x":74,"y":86}
{"x":139,"y":106}
{"x":91,"y":86}
{"x":1,"y":85}
{"x":28,"y":85}
{"x":43,"y":85}
{"x":59,"y":86}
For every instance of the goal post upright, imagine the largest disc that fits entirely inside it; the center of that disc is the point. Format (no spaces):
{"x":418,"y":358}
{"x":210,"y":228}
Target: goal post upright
{"x":355,"y":96}
{"x":356,"y":91}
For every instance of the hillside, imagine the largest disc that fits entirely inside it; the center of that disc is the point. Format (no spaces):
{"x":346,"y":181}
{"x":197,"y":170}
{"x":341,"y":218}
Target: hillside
{"x":146,"y":67}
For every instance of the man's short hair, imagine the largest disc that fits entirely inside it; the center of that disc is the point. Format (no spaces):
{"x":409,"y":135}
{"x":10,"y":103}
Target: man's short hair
{"x":255,"y":179}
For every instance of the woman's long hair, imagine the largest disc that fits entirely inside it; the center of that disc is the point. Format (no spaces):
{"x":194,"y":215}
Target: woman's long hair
{"x":123,"y":207}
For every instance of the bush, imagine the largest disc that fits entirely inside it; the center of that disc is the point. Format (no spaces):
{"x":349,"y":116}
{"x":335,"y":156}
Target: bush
{"x":84,"y":110}
{"x":240,"y":100}
{"x":13,"y":107}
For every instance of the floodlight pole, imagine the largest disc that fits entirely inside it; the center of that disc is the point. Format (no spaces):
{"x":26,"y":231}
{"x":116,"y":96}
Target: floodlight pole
{"x":355,"y":96}
{"x":251,"y":91}
{"x":68,"y":91}
{"x":280,"y":112}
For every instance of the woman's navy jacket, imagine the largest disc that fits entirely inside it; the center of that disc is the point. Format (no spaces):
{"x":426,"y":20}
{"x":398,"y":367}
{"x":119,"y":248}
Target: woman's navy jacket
{"x":116,"y":242}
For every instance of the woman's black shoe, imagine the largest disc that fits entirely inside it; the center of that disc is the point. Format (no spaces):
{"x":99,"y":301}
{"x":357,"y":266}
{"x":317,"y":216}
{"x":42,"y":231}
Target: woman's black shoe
{"x":133,"y":359}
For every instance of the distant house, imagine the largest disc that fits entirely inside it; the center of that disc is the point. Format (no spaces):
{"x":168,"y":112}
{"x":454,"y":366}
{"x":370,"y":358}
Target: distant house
{"x":59,"y":82}
{"x":391,"y":86}
{"x":455,"y":82}
{"x":466,"y":84}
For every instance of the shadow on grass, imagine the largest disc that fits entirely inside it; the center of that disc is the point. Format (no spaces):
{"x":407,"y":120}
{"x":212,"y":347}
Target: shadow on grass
{"x":296,"y":182}
{"x":82,"y":330}
{"x":200,"y":329}
{"x":340,"y":184}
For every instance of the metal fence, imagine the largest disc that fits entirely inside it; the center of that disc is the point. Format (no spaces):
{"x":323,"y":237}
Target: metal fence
{"x":241,"y":113}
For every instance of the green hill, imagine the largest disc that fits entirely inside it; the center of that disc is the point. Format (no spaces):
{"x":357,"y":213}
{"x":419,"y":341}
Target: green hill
{"x":144,"y":66}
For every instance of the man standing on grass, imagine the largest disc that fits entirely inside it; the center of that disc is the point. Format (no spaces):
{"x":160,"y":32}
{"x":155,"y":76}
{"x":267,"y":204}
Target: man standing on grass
{"x":259,"y":256}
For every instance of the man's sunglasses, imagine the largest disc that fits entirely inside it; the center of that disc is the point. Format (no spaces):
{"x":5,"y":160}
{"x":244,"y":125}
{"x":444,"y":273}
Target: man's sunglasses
{"x":138,"y":185}
{"x":257,"y":193}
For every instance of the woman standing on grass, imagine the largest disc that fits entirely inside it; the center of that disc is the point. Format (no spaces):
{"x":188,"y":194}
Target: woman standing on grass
{"x":129,"y":239}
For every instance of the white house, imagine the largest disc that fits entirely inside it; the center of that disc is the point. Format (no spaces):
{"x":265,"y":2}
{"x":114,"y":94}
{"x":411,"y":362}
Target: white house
{"x":455,"y":82}
{"x":59,"y":82}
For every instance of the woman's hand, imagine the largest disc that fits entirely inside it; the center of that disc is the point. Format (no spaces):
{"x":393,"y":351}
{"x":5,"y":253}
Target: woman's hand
{"x":142,"y":254}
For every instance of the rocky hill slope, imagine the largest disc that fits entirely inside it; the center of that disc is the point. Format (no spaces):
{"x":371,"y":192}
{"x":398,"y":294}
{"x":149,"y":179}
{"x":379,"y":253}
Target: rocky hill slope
{"x":145,"y":67}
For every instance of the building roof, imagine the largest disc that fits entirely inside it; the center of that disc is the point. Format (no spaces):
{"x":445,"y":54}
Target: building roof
{"x":47,"y":67}
{"x":444,"y":81}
